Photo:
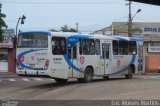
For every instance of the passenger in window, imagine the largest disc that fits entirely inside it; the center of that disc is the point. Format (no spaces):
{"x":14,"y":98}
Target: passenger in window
{"x":58,"y":50}
{"x":125,"y":51}
{"x":92,"y":52}
{"x":115,"y":51}
{"x":85,"y":49}
{"x":132,"y":50}
{"x":120,"y":51}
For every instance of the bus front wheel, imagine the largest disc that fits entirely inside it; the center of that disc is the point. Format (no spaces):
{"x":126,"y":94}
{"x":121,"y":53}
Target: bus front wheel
{"x":130,"y":73}
{"x":88,"y":75}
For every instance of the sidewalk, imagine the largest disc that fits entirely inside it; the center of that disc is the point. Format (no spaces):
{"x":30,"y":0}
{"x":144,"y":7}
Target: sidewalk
{"x":151,"y":74}
{"x":7,"y":75}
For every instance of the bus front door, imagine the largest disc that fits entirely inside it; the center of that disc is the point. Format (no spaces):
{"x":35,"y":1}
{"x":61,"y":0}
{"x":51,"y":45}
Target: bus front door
{"x":72,"y":54}
{"x":106,"y":58}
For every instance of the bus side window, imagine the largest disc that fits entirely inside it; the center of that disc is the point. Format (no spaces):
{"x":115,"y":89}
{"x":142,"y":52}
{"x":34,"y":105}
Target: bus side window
{"x":80,"y":46}
{"x":123,"y":47}
{"x":88,"y":46}
{"x":132,"y":47}
{"x":92,"y":47}
{"x":97,"y":47}
{"x":115,"y":47}
{"x":58,"y":46}
{"x":85,"y":47}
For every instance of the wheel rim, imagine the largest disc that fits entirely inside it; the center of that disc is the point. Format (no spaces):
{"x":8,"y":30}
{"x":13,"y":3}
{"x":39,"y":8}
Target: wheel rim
{"x":88,"y":76}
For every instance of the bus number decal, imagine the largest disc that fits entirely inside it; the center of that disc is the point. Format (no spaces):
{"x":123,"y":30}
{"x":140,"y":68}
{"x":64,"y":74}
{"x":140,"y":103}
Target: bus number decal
{"x":82,"y":59}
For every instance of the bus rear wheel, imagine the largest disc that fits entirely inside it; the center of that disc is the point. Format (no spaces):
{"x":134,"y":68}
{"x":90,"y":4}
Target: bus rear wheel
{"x":130,"y":73}
{"x":61,"y":81}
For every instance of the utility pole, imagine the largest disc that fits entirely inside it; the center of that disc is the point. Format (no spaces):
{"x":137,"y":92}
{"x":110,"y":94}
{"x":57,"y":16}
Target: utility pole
{"x":129,"y":20}
{"x":77,"y":27}
{"x":22,"y":22}
{"x":0,"y":7}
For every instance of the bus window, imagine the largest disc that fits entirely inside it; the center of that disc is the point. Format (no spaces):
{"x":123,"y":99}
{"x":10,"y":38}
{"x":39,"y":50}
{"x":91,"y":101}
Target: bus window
{"x":58,"y":45}
{"x":92,"y":47}
{"x":97,"y":47}
{"x":80,"y":46}
{"x":115,"y":47}
{"x":33,"y":40}
{"x":88,"y":47}
{"x":123,"y":48}
{"x":85,"y":48}
{"x":132,"y":47}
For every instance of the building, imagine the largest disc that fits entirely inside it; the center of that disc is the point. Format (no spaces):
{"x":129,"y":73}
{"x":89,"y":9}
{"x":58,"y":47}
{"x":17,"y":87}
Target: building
{"x":150,"y":32}
{"x":7,"y":52}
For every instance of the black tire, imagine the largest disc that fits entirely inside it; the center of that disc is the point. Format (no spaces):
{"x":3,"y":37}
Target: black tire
{"x":88,"y":75}
{"x":81,"y":80}
{"x":130,"y":73}
{"x":61,"y":81}
{"x":105,"y":77}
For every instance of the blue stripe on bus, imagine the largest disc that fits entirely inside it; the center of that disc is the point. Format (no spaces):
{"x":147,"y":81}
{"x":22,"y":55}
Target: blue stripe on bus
{"x":110,"y":75}
{"x":120,"y":38}
{"x":75,"y":38}
{"x":72,"y":40}
{"x":136,"y":39}
{"x":126,"y":38}
{"x":71,"y":64}
{"x":24,"y":53}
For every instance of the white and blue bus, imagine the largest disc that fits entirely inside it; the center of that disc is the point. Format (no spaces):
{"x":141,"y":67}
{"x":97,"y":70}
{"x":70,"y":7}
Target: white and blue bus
{"x":61,"y":56}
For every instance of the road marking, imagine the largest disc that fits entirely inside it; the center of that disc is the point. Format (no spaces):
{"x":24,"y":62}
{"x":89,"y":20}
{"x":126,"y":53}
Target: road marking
{"x":38,"y":79}
{"x":12,"y":80}
{"x":25,"y":79}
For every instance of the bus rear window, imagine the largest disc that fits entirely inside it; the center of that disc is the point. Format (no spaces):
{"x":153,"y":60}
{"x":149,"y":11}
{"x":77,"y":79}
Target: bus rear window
{"x":33,"y":40}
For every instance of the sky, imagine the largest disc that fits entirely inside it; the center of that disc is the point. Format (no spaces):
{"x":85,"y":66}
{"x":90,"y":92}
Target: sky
{"x":90,"y":14}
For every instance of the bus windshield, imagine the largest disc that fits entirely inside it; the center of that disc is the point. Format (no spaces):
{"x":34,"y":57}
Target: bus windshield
{"x":33,"y":40}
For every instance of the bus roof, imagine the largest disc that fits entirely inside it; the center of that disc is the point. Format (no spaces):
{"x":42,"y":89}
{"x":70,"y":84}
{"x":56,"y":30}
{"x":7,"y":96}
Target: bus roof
{"x":79,"y":35}
{"x":112,"y":37}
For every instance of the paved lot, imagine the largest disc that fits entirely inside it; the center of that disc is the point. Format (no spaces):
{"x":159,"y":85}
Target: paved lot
{"x":27,"y":88}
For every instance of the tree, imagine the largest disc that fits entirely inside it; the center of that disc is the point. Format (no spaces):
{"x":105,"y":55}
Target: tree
{"x":53,"y":30}
{"x":73,"y":30}
{"x":2,"y":24}
{"x":66,"y":28}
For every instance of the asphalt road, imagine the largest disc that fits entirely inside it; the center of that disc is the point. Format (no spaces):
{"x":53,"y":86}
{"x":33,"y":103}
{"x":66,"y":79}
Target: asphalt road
{"x":141,"y":87}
